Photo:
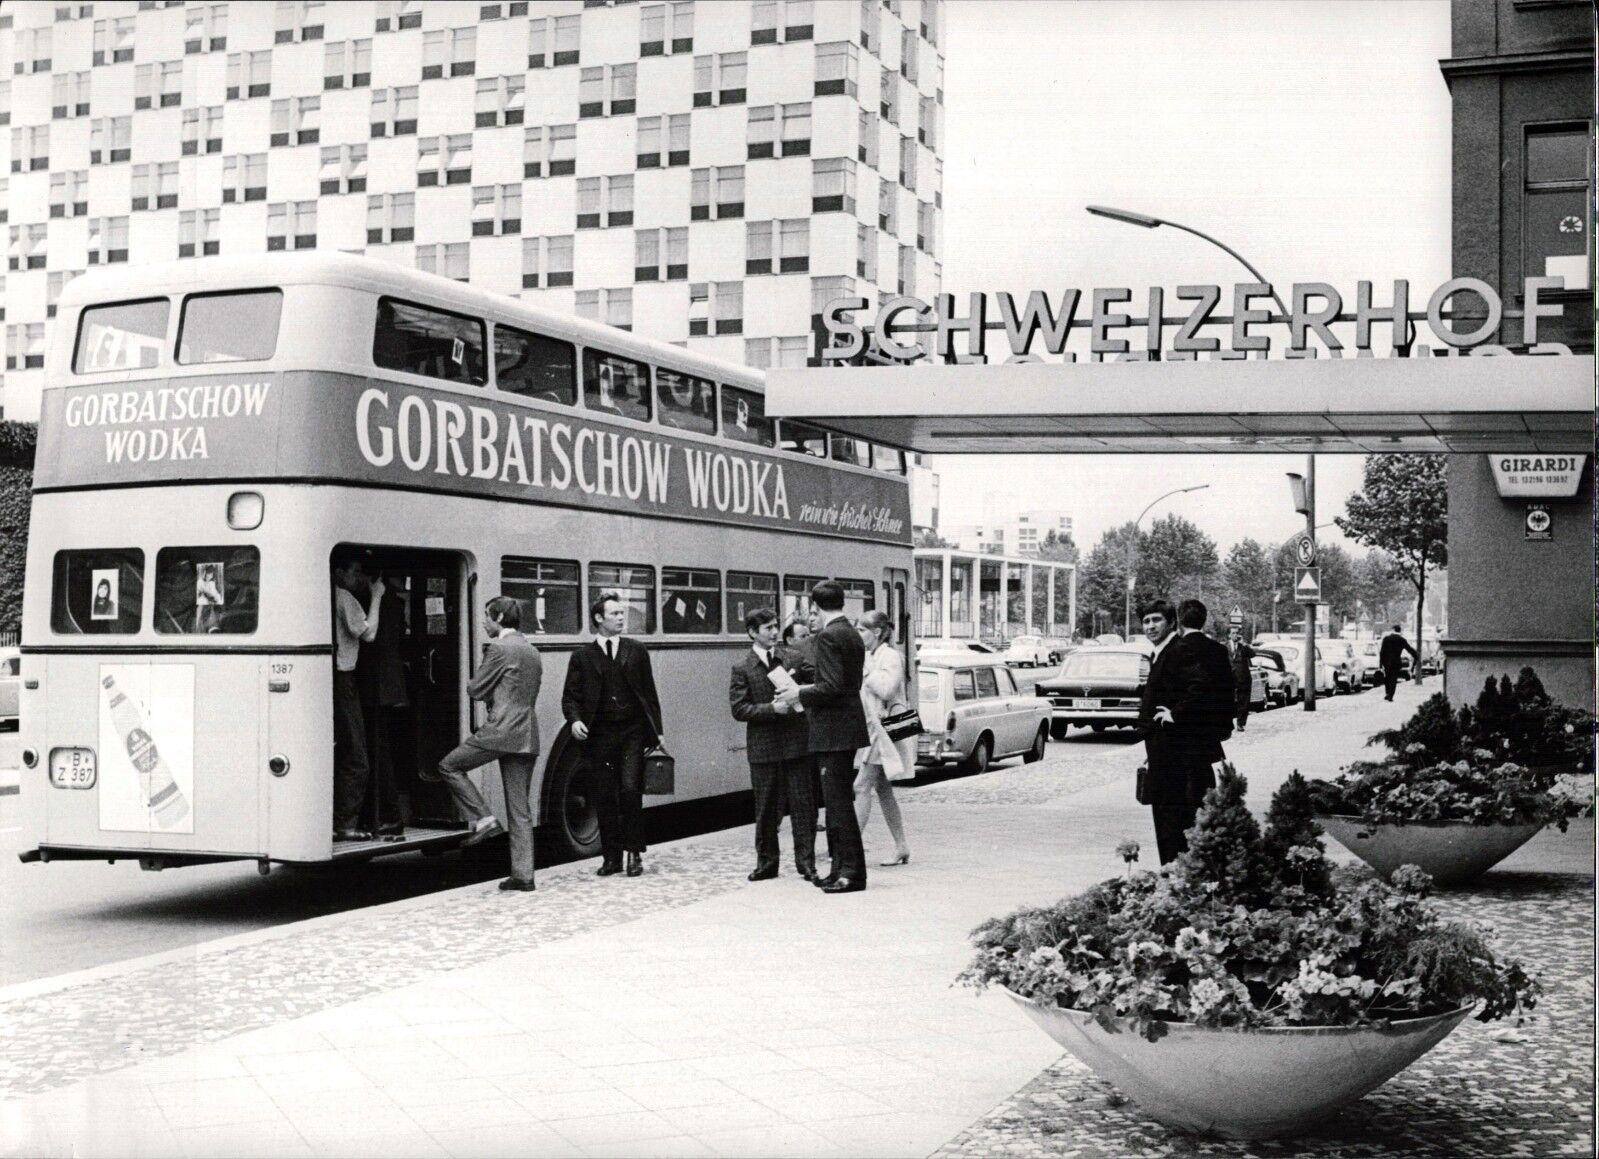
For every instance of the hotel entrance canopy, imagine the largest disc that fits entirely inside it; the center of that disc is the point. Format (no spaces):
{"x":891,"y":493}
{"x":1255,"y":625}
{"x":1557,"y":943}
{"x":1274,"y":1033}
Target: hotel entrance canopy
{"x":1461,"y":403}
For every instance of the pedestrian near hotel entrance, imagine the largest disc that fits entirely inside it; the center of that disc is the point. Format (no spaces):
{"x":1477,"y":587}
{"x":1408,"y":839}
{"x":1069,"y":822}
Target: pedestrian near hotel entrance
{"x":611,"y":703}
{"x":351,"y":628}
{"x":1392,"y":658}
{"x":882,"y":692}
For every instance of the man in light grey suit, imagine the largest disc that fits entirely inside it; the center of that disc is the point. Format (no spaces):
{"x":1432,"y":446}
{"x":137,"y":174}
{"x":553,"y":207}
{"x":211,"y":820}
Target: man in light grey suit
{"x":508,"y":679}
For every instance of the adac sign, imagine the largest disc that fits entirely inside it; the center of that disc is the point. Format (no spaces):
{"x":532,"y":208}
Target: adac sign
{"x":1537,"y":476}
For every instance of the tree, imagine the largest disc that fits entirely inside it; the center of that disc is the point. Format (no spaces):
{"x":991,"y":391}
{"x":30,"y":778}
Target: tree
{"x":18,"y":441}
{"x":1403,"y":509}
{"x":1379,"y":586}
{"x":1249,"y":579}
{"x":927,"y":537}
{"x":1102,"y":582}
{"x":1061,"y":548}
{"x":1170,"y":561}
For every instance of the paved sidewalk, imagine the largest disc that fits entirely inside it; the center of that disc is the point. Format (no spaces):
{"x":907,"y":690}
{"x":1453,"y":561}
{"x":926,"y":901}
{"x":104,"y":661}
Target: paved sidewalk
{"x":692,"y":1013}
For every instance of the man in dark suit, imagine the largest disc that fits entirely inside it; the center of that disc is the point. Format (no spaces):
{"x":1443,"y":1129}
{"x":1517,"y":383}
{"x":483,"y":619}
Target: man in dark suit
{"x":777,"y":742}
{"x":1186,"y":713}
{"x":611,"y":704}
{"x":1391,"y":658}
{"x":837,"y":729}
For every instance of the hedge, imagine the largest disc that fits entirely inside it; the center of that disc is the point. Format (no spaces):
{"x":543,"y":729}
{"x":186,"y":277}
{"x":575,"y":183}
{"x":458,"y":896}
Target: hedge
{"x":18,"y":442}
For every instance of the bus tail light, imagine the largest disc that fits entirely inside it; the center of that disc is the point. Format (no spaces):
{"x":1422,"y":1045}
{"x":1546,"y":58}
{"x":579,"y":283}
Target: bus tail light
{"x":278,"y":765}
{"x":30,"y":757}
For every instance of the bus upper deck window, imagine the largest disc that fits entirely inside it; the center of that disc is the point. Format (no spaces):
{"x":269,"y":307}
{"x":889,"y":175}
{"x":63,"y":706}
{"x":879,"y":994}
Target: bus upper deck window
{"x":535,"y":366}
{"x":202,"y":591}
{"x":426,"y":340}
{"x":97,"y":592}
{"x":687,"y":403}
{"x":122,"y":336}
{"x":744,"y":418}
{"x":616,"y":385}
{"x":236,"y":327}
{"x":803,"y":439}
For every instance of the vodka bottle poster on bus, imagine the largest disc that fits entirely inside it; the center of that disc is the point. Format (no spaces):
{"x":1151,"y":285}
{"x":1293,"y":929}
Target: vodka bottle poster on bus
{"x":147,"y":747}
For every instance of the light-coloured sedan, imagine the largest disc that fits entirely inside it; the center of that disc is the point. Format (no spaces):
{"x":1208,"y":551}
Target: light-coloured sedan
{"x":973,"y":713}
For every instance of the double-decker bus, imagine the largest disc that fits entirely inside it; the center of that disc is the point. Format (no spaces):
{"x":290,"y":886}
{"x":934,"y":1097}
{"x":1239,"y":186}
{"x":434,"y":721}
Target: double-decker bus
{"x":214,"y":430}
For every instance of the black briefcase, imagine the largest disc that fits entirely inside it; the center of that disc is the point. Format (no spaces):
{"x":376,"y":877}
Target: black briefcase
{"x":660,"y":773}
{"x":1141,"y":788}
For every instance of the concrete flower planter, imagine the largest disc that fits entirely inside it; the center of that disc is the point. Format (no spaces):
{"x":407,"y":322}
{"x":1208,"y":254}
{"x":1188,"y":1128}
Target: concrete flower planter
{"x":1250,"y":1084}
{"x":1453,"y":852}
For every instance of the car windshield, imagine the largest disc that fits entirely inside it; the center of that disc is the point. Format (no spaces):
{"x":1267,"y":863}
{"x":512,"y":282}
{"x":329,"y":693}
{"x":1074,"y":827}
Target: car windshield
{"x":1121,"y":665}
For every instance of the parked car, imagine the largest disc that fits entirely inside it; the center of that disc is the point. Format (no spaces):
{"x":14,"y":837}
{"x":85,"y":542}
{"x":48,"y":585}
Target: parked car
{"x":1259,"y":698}
{"x":1347,"y":665}
{"x":973,"y":713}
{"x":10,"y":688}
{"x":1027,"y":651}
{"x":1096,"y":688}
{"x":1283,"y":687}
{"x":950,"y":644}
{"x":1111,"y":638}
{"x":1432,"y":658}
{"x":1293,"y":654}
{"x":1059,"y":649}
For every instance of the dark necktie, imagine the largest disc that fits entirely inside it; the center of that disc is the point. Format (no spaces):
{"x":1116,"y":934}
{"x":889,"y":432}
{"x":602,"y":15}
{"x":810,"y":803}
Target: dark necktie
{"x":772,"y":663}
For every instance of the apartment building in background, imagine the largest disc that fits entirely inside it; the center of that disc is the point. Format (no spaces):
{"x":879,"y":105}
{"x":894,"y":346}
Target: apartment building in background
{"x":704,"y":173}
{"x":1012,"y":533}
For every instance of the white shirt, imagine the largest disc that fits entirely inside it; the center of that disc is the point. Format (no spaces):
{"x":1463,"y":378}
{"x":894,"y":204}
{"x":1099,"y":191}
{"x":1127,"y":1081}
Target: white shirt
{"x":764,"y":656}
{"x":1159,"y":648}
{"x":611,"y":646}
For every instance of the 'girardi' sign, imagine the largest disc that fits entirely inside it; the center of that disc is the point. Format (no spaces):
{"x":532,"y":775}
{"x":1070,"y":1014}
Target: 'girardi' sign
{"x":1157,"y":335}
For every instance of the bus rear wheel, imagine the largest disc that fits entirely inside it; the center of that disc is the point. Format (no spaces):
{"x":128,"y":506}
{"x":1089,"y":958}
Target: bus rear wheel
{"x":571,"y":820}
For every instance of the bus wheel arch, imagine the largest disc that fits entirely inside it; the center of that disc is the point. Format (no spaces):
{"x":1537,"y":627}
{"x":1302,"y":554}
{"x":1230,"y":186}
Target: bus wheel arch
{"x":567,"y":812}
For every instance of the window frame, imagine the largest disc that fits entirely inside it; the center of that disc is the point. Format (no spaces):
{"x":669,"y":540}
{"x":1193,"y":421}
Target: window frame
{"x":483,"y":347}
{"x":183,"y":317}
{"x":229,"y":548}
{"x":60,"y":611}
{"x":594,"y":589}
{"x":576,"y":584}
{"x":572,"y":398}
{"x":733,"y":622}
{"x":695,"y":574}
{"x":83,"y":321}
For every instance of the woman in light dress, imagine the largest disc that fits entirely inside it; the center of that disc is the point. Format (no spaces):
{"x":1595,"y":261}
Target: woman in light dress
{"x":882,"y":692}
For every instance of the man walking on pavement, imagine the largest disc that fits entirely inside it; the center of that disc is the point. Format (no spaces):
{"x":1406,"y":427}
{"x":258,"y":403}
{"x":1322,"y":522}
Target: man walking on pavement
{"x":352,"y":627}
{"x":837,"y":730}
{"x":611,"y":703}
{"x":777,"y":745}
{"x":1240,"y":654}
{"x":1391,"y":659}
{"x":508,"y":679}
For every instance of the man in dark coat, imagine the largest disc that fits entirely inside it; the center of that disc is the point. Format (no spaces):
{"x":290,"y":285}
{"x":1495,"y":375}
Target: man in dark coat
{"x":777,"y":745}
{"x":611,"y":703}
{"x":1391,"y":658}
{"x":1240,"y":654}
{"x":837,"y":724}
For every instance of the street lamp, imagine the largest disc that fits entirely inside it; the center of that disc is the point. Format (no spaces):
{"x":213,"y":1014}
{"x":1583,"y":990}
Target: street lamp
{"x":1128,"y":217}
{"x":1132,"y":549}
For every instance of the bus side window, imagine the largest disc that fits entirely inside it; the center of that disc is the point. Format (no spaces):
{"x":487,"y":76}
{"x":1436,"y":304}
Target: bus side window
{"x":803,"y":439}
{"x":685,"y":402}
{"x":635,"y":585}
{"x":429,"y":341}
{"x":616,"y":385}
{"x":691,"y":601}
{"x":859,"y":596}
{"x":535,"y":365}
{"x":744,"y":418}
{"x":97,"y":592}
{"x":747,"y":591}
{"x":549,"y":592}
{"x":797,"y":594}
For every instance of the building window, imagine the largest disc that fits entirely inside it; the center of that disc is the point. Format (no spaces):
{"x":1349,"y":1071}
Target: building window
{"x":55,"y":282}
{"x":615,"y":384}
{"x":398,"y":15}
{"x":496,"y":209}
{"x":5,"y":101}
{"x":113,"y":41}
{"x":394,"y":112}
{"x":866,"y":252}
{"x":887,"y":207}
{"x":448,"y":261}
{"x":449,"y":52}
{"x":931,"y":20}
{"x":762,"y":132}
{"x":553,"y":256}
{"x":155,"y":186}
{"x":32,"y":50}
{"x":888,"y":97}
{"x":612,"y":307}
{"x":871,"y":25}
{"x":390,"y":217}
{"x":343,"y":169}
{"x":663,"y":140}
{"x":202,"y":131}
{"x":549,"y":152}
{"x":158,"y":83}
{"x":907,"y":163}
{"x":69,"y":194}
{"x":758,"y":247}
{"x":837,"y":69}
{"x":501,"y":100}
{"x":27,"y":247}
{"x":720,"y":79}
{"x":744,"y":418}
{"x":199,"y":231}
{"x":30,"y":147}
{"x":715,"y":308}
{"x":110,"y":139}
{"x":1555,"y":202}
{"x":608,"y":91}
{"x":666,"y":28}
{"x":907,"y":271}
{"x":25,"y":346}
{"x":205,"y":28}
{"x":660,"y":255}
{"x":500,"y":11}
{"x":794,"y":246}
{"x":938,"y":182}
{"x":347,"y":64}
{"x":552,"y":41}
{"x":716,"y":193}
{"x":444,"y":160}
{"x":927,"y":123}
{"x":781,"y":21}
{"x":908,"y":56}
{"x":612,"y":194}
{"x":927,"y":227}
{"x":866,"y":149}
{"x":69,"y":95}
{"x":796,"y":130}
{"x":297,"y":121}
{"x":108,"y":240}
{"x":244,"y":178}
{"x":765,"y":353}
{"x":249,"y":74}
{"x":833,"y":185}
{"x":298,"y":20}
{"x":291,"y":225}
{"x":827,"y":290}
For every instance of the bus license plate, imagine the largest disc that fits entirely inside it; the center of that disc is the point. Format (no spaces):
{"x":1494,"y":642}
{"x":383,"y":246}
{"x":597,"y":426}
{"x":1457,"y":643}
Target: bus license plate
{"x":72,"y":768}
{"x":1088,"y":704}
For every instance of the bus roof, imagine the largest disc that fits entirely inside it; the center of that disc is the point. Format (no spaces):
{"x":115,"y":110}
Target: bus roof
{"x":218,"y":273}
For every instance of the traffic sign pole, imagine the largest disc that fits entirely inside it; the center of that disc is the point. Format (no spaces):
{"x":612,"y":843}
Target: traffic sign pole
{"x":1310,"y":609}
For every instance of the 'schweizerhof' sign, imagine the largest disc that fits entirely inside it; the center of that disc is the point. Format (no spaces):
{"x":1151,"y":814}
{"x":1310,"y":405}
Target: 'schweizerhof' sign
{"x":334,"y":427}
{"x":891,"y":333}
{"x":1537,"y":476}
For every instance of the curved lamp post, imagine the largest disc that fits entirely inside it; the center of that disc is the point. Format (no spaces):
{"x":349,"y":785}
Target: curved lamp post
{"x":1147,"y":222}
{"x":1132,"y":548}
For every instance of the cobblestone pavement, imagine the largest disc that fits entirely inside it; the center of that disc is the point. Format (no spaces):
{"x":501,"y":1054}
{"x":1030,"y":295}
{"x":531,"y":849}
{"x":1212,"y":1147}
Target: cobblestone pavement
{"x":1470,"y":1096}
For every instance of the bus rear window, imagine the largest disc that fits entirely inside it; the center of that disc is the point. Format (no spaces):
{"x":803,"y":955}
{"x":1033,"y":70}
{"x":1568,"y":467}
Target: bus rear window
{"x":634,"y":584}
{"x":744,"y":418}
{"x":424,"y":340}
{"x":616,"y":385}
{"x":548,"y":590}
{"x":687,"y":403}
{"x":535,"y":366}
{"x":203,"y":591}
{"x":123,"y":336}
{"x":239,"y":327}
{"x":691,"y":601}
{"x":97,"y":592}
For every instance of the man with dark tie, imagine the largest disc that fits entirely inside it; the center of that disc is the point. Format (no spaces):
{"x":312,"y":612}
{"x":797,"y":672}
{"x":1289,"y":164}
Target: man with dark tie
{"x":777,"y":745}
{"x":610,"y":701}
{"x":837,"y":724}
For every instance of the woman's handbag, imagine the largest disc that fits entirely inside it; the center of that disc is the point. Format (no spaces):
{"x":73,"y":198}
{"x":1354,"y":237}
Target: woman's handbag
{"x":901,"y":723}
{"x":660,"y":772}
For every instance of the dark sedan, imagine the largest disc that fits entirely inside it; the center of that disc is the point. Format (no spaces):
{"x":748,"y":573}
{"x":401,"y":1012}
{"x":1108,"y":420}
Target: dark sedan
{"x":1096,"y":688}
